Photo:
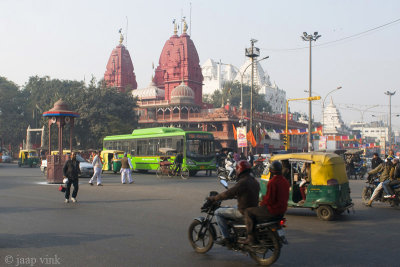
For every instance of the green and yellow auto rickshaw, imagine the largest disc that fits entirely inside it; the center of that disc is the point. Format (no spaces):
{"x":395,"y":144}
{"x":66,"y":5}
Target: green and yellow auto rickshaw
{"x":327,"y":189}
{"x":111,"y":160}
{"x":28,"y":157}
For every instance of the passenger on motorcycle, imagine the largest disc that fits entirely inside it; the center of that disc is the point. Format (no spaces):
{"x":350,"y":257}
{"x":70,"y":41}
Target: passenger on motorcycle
{"x":229,"y":164}
{"x":386,"y":169}
{"x":274,"y":203}
{"x":245,"y":191}
{"x":394,"y":180}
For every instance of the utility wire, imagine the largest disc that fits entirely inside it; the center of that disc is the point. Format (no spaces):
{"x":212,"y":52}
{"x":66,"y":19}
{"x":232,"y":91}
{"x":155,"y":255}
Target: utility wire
{"x":338,"y":40}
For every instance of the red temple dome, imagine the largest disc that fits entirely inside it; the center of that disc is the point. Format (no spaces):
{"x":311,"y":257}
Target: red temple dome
{"x":119,"y":71}
{"x":179,"y":62}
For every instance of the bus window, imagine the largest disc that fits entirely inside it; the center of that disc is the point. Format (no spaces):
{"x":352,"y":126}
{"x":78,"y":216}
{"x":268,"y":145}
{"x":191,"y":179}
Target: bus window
{"x":153,"y":143}
{"x":125,"y":146}
{"x":142,"y":146}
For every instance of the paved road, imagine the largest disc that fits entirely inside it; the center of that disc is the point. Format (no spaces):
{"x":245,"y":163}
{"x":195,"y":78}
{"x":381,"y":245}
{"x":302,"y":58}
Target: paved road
{"x":145,"y":224}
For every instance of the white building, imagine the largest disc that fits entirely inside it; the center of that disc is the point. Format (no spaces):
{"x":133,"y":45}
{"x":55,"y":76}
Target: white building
{"x":332,"y":121}
{"x":216,"y":74}
{"x":376,"y":130}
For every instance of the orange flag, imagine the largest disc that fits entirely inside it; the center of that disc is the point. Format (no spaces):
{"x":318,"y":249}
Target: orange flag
{"x":251,"y":139}
{"x":234,"y":132}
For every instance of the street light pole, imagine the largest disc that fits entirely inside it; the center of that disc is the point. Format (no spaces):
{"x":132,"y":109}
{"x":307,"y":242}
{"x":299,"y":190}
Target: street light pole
{"x":309,"y":38}
{"x":323,"y":109}
{"x":390,"y":94}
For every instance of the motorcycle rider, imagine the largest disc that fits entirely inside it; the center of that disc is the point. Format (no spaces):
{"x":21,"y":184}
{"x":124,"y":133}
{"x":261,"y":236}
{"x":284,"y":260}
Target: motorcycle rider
{"x":274,"y":203}
{"x":229,"y":164}
{"x":376,"y":160}
{"x":387,"y":170}
{"x":394,"y":180}
{"x":245,"y":191}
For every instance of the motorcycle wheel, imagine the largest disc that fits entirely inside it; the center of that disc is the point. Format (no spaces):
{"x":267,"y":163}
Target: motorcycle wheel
{"x":267,"y":253}
{"x":159,"y":172}
{"x":201,"y":241}
{"x":184,"y":173}
{"x":366,"y":194}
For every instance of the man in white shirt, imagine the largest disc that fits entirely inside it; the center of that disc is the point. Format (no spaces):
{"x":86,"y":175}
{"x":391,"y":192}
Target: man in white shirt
{"x":97,"y":166}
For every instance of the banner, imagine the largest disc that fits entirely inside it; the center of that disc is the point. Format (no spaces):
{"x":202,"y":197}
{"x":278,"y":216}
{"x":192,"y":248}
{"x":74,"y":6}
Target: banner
{"x":250,"y":137}
{"x":234,"y":132}
{"x":241,"y":137}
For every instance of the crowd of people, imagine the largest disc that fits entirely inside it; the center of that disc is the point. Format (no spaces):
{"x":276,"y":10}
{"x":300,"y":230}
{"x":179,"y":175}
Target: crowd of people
{"x":71,"y":171}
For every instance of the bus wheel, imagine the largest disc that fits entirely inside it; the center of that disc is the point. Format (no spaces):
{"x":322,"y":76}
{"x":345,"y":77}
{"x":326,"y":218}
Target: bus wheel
{"x":192,"y":173}
{"x":184,"y":173}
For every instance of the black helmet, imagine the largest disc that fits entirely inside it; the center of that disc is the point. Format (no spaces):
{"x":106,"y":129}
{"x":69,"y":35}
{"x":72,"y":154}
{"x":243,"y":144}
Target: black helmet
{"x":275,"y":167}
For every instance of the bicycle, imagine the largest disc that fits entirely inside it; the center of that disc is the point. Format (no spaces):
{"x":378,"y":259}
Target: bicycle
{"x":168,"y":168}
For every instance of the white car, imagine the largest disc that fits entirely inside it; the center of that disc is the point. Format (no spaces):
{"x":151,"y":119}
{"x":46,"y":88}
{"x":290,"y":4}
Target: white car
{"x":86,"y":167}
{"x":6,"y":159}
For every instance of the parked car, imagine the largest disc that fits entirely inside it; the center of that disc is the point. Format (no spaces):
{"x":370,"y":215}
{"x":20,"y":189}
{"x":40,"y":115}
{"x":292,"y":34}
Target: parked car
{"x":6,"y":159}
{"x":86,"y":167}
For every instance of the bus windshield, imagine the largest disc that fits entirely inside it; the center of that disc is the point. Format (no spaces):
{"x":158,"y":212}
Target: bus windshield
{"x":200,"y":149}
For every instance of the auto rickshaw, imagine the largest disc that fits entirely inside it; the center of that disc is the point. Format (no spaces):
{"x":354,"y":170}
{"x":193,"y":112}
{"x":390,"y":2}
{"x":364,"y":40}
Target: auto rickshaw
{"x":111,"y":160}
{"x":328,"y":191}
{"x":28,"y":157}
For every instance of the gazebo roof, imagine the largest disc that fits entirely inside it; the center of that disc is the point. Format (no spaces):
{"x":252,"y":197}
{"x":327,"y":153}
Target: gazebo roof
{"x":60,"y":109}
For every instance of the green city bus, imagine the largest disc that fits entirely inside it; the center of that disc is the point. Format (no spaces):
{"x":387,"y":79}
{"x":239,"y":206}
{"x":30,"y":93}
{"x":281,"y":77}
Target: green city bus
{"x":143,"y":146}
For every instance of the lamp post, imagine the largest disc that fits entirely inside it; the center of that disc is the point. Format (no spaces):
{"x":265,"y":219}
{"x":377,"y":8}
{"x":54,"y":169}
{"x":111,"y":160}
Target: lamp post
{"x":309,"y":38}
{"x":311,"y":98}
{"x":390,"y":94}
{"x":323,"y":109}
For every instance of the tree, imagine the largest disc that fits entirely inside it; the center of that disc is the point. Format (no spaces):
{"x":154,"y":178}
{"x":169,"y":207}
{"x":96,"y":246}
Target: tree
{"x":231,"y":91}
{"x":12,"y":113}
{"x":103,"y":111}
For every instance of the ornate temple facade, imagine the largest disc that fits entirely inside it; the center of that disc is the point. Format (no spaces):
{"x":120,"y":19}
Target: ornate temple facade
{"x":119,"y":71}
{"x":174,"y":99}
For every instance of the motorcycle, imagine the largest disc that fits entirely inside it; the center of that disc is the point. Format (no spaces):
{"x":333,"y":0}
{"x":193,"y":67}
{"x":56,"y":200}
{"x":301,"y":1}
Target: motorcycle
{"x":372,"y":183}
{"x":270,"y":234}
{"x":223,"y":174}
{"x":359,"y":171}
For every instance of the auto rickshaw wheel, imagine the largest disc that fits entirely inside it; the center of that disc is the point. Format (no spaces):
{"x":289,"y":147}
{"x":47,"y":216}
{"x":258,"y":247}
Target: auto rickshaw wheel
{"x":325,"y":213}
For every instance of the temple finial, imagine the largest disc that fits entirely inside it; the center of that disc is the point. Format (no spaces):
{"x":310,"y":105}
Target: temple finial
{"x":185,"y":27}
{"x":121,"y":37}
{"x":175,"y":27}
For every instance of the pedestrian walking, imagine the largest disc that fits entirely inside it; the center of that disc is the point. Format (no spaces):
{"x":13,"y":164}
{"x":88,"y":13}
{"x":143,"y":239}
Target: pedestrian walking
{"x":97,"y":167}
{"x":71,"y":171}
{"x":125,"y":170}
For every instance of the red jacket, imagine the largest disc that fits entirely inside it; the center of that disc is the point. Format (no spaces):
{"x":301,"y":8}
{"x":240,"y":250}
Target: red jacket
{"x":277,"y":195}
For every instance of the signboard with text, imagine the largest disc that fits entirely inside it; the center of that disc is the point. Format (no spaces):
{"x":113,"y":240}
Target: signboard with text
{"x":241,"y":137}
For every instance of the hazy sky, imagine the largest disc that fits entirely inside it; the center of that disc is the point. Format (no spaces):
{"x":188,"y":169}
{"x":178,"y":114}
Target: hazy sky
{"x":73,"y":39}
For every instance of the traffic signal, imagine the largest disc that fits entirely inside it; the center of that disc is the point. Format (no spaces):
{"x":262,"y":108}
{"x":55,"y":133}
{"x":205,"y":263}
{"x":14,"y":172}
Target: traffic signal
{"x":285,"y":141}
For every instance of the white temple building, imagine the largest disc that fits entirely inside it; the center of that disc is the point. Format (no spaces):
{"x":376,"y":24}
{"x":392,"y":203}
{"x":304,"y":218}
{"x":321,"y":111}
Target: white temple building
{"x":332,"y":121}
{"x":216,"y":74}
